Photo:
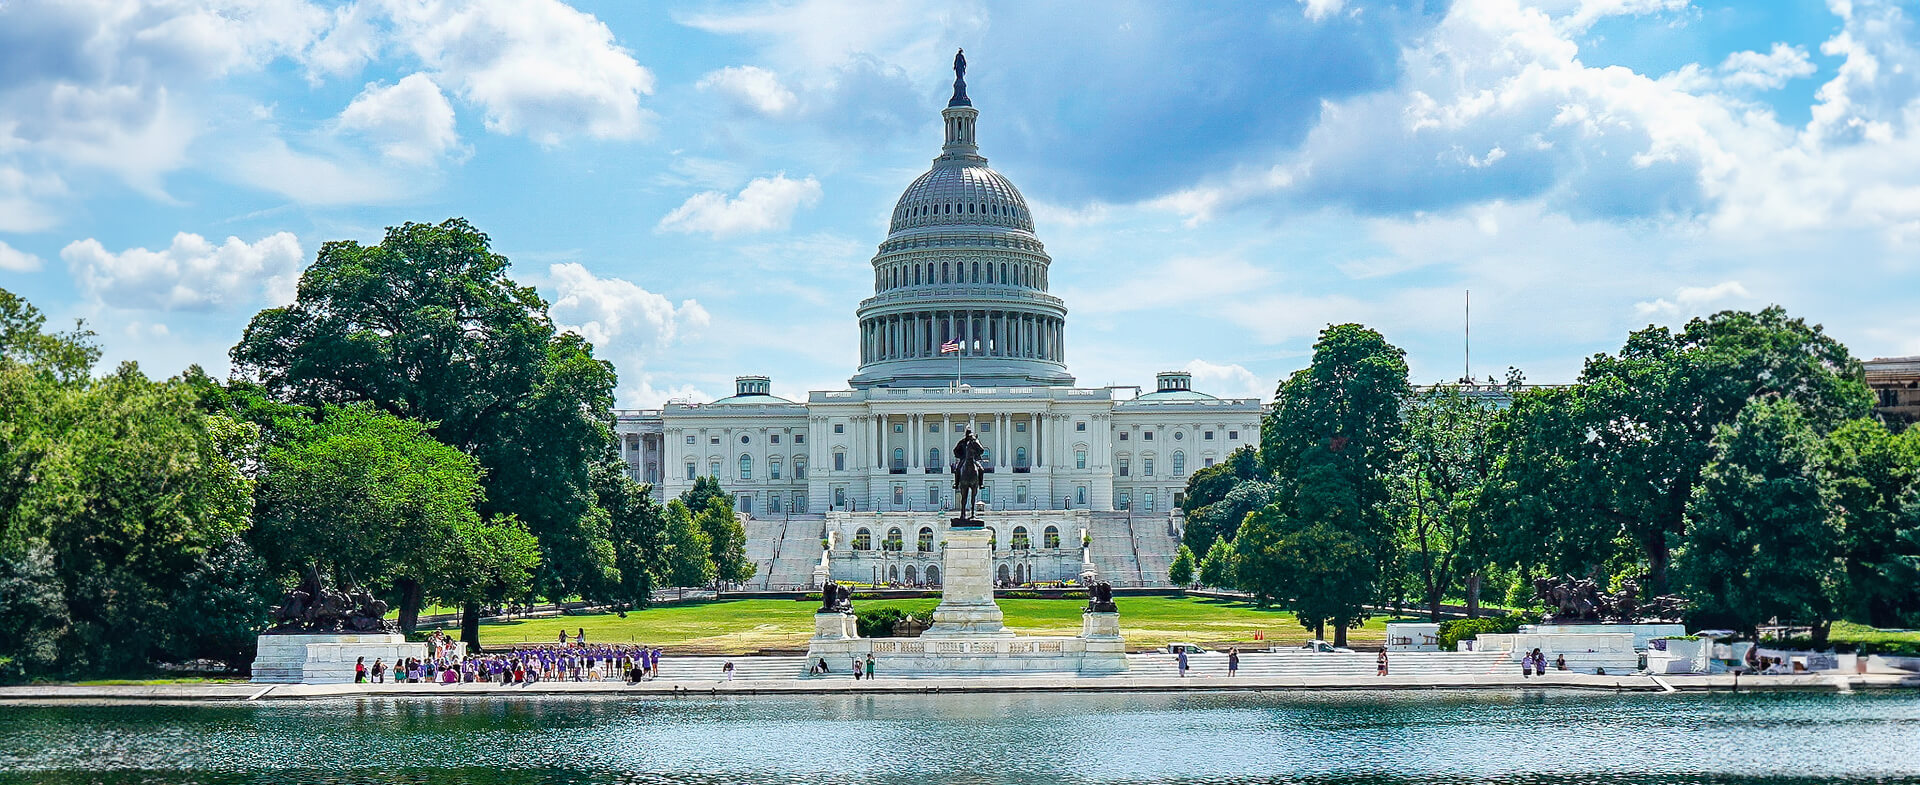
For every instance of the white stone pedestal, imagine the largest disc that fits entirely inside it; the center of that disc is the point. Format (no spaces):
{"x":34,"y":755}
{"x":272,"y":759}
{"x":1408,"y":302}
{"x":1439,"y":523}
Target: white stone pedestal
{"x":966,"y":593}
{"x":326,"y":658}
{"x":834,"y":627}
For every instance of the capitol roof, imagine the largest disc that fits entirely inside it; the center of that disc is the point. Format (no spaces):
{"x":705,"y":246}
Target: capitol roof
{"x":961,"y":193}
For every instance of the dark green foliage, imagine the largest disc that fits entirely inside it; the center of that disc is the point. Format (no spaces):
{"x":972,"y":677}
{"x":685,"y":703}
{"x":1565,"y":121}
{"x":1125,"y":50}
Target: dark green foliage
{"x":686,"y":558}
{"x":1181,"y":571}
{"x":1442,"y":526}
{"x":1763,"y":543}
{"x":1221,"y":519}
{"x":1212,"y":484}
{"x":1220,"y":567}
{"x":1453,"y":631}
{"x":1872,"y":477}
{"x":24,"y":343}
{"x":878,"y":622}
{"x":427,"y":326}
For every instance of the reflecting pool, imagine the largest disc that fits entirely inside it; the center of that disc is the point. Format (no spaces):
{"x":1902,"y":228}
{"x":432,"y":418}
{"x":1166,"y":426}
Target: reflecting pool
{"x":1353,"y":737}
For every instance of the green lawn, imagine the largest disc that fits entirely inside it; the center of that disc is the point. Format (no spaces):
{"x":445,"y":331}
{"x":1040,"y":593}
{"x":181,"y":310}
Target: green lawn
{"x":1847,"y":632}
{"x":742,"y":626}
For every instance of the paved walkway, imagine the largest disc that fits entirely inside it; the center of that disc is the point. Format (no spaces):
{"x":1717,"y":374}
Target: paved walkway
{"x":843,"y":684}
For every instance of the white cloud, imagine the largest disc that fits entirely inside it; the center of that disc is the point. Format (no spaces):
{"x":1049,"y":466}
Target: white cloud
{"x":1766,"y":71}
{"x":604,"y":309}
{"x":15,"y":260}
{"x":1321,"y":9}
{"x":1691,"y":301}
{"x":23,"y":199}
{"x":538,"y":68}
{"x":320,"y":179}
{"x":1228,"y":381}
{"x":192,"y":274}
{"x":766,"y":204}
{"x":751,"y":86}
{"x":409,"y":121}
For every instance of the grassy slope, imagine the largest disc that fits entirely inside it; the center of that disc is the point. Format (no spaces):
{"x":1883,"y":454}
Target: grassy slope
{"x":739,"y":626}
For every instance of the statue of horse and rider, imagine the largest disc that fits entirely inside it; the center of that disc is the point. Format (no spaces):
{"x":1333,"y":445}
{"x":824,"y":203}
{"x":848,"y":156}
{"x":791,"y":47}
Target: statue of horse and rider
{"x":969,"y":474}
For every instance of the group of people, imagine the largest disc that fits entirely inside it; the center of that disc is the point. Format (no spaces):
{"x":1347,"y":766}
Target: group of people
{"x":577,"y":662}
{"x":1233,"y":661}
{"x":819,"y":667}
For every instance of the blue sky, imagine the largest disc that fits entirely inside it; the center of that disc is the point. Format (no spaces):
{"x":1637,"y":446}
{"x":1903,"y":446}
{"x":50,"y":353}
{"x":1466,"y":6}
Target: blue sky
{"x":698,"y":187}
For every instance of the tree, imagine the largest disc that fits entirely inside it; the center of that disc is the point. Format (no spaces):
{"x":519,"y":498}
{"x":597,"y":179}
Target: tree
{"x":1331,"y":440}
{"x":638,"y":529}
{"x":1217,"y":568}
{"x":686,"y":558}
{"x":1655,"y":407}
{"x":1211,"y":485}
{"x":67,"y":356}
{"x":1180,"y":572}
{"x":705,"y":490}
{"x":1871,"y":474}
{"x":727,"y":541}
{"x":1763,"y":543}
{"x":427,"y":326}
{"x":1221,"y":519}
{"x":1547,"y":493}
{"x":368,"y":496}
{"x":1442,"y":525}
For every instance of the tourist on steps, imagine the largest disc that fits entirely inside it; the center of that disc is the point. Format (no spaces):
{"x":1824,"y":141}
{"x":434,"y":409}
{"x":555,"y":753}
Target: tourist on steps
{"x":1182,"y":656}
{"x":869,"y":667}
{"x":728,"y":670}
{"x":360,"y":670}
{"x":857,"y":670}
{"x":1381,"y":664}
{"x":1233,"y":660}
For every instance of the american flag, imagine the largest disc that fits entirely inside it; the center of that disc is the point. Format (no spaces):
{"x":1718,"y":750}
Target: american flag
{"x":949,"y":347}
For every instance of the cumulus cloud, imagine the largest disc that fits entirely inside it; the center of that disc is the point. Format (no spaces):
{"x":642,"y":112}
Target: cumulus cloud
{"x":1228,"y":381}
{"x":191,"y":274}
{"x":751,"y":86}
{"x":1693,"y":300}
{"x":23,"y":200}
{"x":1321,"y":9}
{"x":409,"y":121}
{"x":15,"y":260}
{"x":766,"y":204}
{"x":602,"y":310}
{"x":540,"y":68}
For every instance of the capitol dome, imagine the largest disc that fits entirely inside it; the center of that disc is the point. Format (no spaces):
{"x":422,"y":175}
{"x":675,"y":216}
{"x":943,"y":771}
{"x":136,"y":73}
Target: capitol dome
{"x":960,"y":283}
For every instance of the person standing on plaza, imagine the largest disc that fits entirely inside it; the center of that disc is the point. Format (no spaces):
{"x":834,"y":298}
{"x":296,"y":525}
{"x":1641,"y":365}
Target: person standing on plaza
{"x":1381,"y":664}
{"x":1182,"y":658}
{"x":1233,"y":660}
{"x":869,"y":666}
{"x":379,"y":671}
{"x":857,"y":670}
{"x":360,"y":670}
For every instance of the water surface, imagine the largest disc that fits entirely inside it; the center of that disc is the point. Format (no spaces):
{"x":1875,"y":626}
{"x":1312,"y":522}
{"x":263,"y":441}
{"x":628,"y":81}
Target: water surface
{"x":1354,"y":737}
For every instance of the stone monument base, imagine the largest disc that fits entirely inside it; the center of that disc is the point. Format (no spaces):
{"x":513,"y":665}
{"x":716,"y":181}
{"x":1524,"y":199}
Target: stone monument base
{"x":327,"y":658}
{"x":1098,"y":650}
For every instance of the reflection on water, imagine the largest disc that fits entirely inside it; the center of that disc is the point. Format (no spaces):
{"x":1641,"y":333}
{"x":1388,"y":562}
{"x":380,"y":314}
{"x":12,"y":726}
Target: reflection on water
{"x":1361,"y":737}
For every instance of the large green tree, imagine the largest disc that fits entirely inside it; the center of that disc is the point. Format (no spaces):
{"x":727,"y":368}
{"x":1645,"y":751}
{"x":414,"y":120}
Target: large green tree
{"x":1872,"y":477}
{"x":1653,"y":408}
{"x":1330,"y":442}
{"x":1181,"y":571}
{"x":1442,"y":525}
{"x":1208,"y":487}
{"x":427,"y":325}
{"x":370,"y":497}
{"x":1763,"y":543}
{"x":685,"y":558}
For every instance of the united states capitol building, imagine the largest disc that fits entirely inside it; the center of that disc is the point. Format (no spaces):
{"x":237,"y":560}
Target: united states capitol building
{"x":960,"y":333}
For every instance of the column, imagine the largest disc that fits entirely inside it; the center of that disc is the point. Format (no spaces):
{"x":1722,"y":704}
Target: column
{"x":918,"y":428}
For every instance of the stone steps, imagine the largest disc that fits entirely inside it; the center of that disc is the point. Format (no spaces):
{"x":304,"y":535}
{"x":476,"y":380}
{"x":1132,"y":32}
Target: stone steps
{"x":1323,"y":664}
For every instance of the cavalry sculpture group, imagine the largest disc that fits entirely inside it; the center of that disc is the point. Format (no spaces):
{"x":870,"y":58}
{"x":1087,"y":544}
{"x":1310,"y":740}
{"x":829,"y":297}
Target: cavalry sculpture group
{"x":311,"y":607}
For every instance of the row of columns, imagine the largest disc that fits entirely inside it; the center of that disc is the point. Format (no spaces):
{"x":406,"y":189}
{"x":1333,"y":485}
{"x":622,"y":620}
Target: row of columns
{"x":981,"y":334}
{"x":917,"y":274}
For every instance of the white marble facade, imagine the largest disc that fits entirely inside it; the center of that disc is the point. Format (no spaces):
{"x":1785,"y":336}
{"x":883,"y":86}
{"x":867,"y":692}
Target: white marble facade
{"x":960,"y":332}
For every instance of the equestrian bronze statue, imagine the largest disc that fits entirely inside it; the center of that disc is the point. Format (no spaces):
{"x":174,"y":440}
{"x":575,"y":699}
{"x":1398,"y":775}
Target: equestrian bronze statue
{"x":968,"y":476}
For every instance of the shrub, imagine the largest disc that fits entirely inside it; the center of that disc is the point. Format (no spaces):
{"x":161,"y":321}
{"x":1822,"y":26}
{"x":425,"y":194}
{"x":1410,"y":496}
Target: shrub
{"x":878,"y":622}
{"x":1453,"y":631}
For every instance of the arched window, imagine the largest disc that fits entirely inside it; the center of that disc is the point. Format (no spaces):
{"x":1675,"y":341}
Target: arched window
{"x":1019,"y":457}
{"x":1020,"y":541}
{"x":893,"y":573}
{"x":933,"y":575}
{"x":773,"y":468}
{"x":1050,"y":538}
{"x":899,"y":458}
{"x":976,"y":272}
{"x":933,"y":457}
{"x":1080,"y":495}
{"x":1005,"y":576}
{"x":910,"y":574}
{"x":989,"y":273}
{"x":893,"y":542}
{"x":863,"y":540}
{"x":1179,"y":463}
{"x":924,"y":543}
{"x":916,"y":274}
{"x":746,"y":467}
{"x":799,"y":468}
{"x":945,"y":273}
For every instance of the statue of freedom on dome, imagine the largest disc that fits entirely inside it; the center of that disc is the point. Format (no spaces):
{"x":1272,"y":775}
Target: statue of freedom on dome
{"x":960,"y":64}
{"x":960,"y":80}
{"x":968,"y":476}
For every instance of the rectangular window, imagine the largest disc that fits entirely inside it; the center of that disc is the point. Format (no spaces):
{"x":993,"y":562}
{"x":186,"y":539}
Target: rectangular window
{"x":1123,"y":501}
{"x":1146,"y":466}
{"x":839,"y":427}
{"x":1019,"y":427}
{"x":689,"y":438}
{"x":933,"y":494}
{"x":744,"y":504}
{"x":899,"y":428}
{"x":774,"y":439}
{"x":1207,"y":461}
{"x":773,"y":470}
{"x":773,"y":502}
{"x":959,"y":427}
{"x":1123,"y":436}
{"x":899,"y":495}
{"x":986,"y":494}
{"x":692,"y":471}
{"x":713,"y":440}
{"x":1080,"y":426}
{"x":799,"y":470}
{"x":1178,"y":496}
{"x":840,"y":497}
{"x":1020,"y":494}
{"x":933,"y":427}
{"x":1148,"y":436}
{"x":1146,"y":501}
{"x":1079,"y":459}
{"x":1233,"y":435}
{"x":1123,"y":467}
{"x":1208,"y":436}
{"x":986,"y":427}
{"x":713,"y":469}
{"x":799,"y":438}
{"x":839,"y":462}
